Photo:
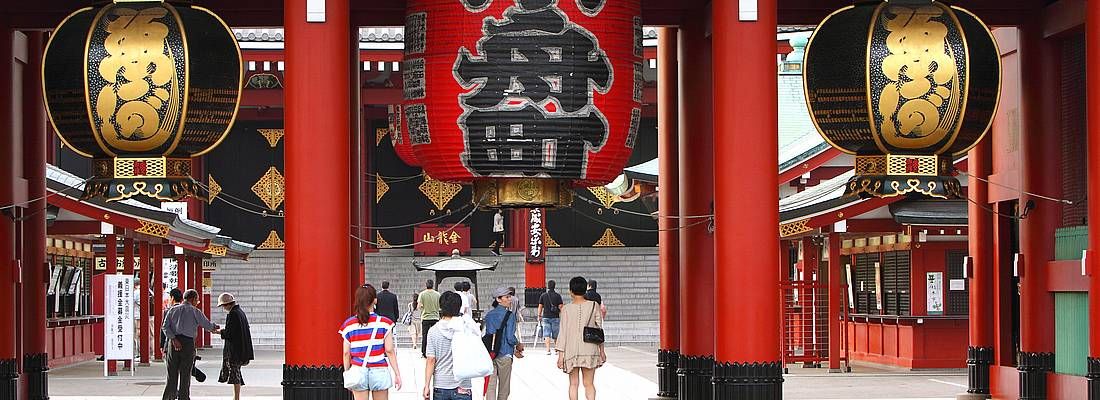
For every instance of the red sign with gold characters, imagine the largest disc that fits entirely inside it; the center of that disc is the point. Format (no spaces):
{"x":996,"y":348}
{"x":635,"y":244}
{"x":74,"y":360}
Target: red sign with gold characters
{"x":523,"y":88}
{"x":440,"y":240}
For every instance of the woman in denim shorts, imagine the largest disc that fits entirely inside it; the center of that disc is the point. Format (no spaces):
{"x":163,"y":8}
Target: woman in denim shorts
{"x":369,"y":352}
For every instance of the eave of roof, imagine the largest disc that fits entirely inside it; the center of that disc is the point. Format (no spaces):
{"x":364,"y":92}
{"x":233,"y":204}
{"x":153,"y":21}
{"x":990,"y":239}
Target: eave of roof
{"x":455,"y":263}
{"x":927,"y":212}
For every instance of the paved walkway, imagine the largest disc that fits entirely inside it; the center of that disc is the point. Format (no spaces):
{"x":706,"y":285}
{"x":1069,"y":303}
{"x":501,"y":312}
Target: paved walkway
{"x":629,"y":375}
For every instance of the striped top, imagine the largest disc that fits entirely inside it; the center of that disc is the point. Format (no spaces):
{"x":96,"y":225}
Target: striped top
{"x":368,"y":341}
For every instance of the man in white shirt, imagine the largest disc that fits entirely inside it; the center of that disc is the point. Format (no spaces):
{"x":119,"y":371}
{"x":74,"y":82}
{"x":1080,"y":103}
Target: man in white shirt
{"x":498,"y":232}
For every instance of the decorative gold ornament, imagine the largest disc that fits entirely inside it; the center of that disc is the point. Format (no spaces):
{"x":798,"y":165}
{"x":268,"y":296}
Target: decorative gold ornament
{"x":264,"y":80}
{"x":271,"y":188}
{"x":439,"y":192}
{"x":608,"y":240}
{"x":216,"y":250}
{"x":272,"y":135}
{"x":382,"y":243}
{"x":153,"y":229}
{"x":550,"y":242}
{"x":522,"y":193}
{"x":794,"y":228}
{"x":604,"y":196}
{"x":380,"y":188}
{"x":214,"y":188}
{"x":379,"y":134}
{"x":272,"y":242}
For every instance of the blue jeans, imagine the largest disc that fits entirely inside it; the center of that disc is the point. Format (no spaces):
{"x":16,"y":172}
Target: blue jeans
{"x":451,"y":394}
{"x":550,"y":327}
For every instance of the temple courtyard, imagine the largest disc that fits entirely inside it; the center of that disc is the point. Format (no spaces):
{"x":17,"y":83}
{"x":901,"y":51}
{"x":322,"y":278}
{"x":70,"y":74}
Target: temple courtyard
{"x":628,"y":375}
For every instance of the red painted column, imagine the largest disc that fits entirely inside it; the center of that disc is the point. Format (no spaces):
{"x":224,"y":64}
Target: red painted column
{"x":745,"y":201}
{"x":696,"y":162}
{"x":668,"y":240}
{"x":316,"y":155}
{"x":1092,"y":79}
{"x":35,"y":270}
{"x":810,"y":253}
{"x":206,"y":296}
{"x":8,"y":178}
{"x":143,"y":302}
{"x":181,"y":272}
{"x":158,"y":299}
{"x":836,"y":305}
{"x":979,"y":354}
{"x":1040,"y":169}
{"x":128,"y":256}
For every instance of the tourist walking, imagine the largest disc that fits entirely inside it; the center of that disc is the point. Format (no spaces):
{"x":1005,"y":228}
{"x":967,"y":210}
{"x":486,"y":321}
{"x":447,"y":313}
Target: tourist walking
{"x":439,"y":379}
{"x":577,"y":357}
{"x":181,"y":325}
{"x":500,"y":324}
{"x":428,"y":303}
{"x":517,"y":305}
{"x":549,"y":312}
{"x":388,"y":305}
{"x":237,"y":339}
{"x":414,"y":320}
{"x":369,"y":353}
{"x":592,"y":295}
{"x":175,"y":297}
{"x":498,"y":232}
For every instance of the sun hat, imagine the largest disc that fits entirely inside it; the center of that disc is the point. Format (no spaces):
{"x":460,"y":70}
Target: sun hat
{"x":225,"y":298}
{"x":500,"y":291}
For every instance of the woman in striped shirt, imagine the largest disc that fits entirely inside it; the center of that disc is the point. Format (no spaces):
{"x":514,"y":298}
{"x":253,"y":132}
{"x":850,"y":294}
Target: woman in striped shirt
{"x":368,"y":349}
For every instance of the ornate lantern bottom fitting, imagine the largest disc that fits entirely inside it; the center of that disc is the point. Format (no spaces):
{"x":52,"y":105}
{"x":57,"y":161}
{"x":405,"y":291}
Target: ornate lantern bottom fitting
{"x":899,"y":175}
{"x":522,"y":193}
{"x":161,"y":178}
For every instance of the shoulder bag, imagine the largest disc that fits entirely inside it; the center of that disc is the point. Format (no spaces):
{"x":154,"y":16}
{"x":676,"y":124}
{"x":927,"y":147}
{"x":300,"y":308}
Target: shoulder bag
{"x":492,"y":340}
{"x":593,"y":334}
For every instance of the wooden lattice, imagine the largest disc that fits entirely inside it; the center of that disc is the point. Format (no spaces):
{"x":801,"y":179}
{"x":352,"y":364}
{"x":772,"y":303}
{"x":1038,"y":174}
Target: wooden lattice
{"x":793,"y":228}
{"x":153,"y":229}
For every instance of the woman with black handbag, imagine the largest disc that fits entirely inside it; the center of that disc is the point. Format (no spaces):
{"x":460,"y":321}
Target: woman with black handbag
{"x":580,"y":342}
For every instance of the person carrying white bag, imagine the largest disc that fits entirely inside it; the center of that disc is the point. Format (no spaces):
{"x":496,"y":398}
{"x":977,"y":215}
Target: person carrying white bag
{"x":455,"y":354}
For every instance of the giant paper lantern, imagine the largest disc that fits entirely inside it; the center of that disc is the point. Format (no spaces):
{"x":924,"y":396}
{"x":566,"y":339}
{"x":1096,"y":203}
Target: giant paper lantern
{"x":399,"y":136}
{"x":523,"y":98}
{"x":904,"y":85}
{"x":141,"y":87}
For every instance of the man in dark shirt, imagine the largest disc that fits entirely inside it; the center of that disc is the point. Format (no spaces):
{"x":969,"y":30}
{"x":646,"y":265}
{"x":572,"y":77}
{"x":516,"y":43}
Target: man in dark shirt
{"x":592,"y":295}
{"x":549,"y":312}
{"x":387,"y":303}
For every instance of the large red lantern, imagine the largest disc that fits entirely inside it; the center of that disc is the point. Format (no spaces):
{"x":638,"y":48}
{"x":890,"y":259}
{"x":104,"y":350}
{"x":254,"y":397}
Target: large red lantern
{"x":523,"y":98}
{"x":399,"y":136}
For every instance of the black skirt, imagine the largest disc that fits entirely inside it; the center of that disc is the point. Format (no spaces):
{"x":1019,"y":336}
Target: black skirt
{"x":231,"y":373}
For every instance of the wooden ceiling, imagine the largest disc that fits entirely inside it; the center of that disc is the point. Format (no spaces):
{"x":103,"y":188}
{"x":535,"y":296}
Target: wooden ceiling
{"x":45,"y":14}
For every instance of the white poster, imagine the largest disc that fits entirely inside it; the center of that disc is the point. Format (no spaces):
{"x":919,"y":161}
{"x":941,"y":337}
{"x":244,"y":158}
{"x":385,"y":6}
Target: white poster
{"x":118,"y":335}
{"x":175,"y":207}
{"x":935,"y":293}
{"x":957,"y":284}
{"x":169,"y":275}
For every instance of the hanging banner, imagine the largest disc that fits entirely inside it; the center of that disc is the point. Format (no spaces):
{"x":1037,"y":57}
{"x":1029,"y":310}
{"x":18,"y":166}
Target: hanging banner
{"x":101,"y":263}
{"x":536,"y":246}
{"x":440,"y":240}
{"x":169,"y":276}
{"x":935,"y":293}
{"x":118,"y":317}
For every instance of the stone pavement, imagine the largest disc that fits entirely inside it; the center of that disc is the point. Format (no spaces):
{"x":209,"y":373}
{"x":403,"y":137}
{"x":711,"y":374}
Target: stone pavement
{"x":629,"y":375}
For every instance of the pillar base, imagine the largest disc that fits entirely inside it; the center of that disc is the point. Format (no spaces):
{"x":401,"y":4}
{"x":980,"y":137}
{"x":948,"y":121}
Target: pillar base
{"x":973,"y":396}
{"x":9,"y":379}
{"x":667,"y":379}
{"x":756,"y":381}
{"x":1033,"y":369}
{"x":694,"y":377}
{"x":1094,"y":378}
{"x":531,"y":297}
{"x":978,"y":360}
{"x":36,"y":367}
{"x":314,"y":383}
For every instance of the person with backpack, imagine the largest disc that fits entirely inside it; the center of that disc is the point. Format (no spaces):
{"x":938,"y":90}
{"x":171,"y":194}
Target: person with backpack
{"x":550,"y":304}
{"x":500,"y":338}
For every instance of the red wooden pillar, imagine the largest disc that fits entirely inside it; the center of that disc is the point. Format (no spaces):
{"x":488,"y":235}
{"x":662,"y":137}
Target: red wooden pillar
{"x":8,"y":179}
{"x":807,"y":296}
{"x":836,"y":305}
{"x":534,"y":274}
{"x":1092,"y":79}
{"x":1040,"y":154}
{"x":143,"y":305}
{"x":181,"y":272}
{"x":317,"y":205}
{"x":979,"y":354}
{"x":668,"y":240}
{"x":158,"y":299}
{"x":745,"y":207}
{"x":207,"y":297}
{"x":35,"y":269}
{"x":195,"y":274}
{"x":696,"y":163}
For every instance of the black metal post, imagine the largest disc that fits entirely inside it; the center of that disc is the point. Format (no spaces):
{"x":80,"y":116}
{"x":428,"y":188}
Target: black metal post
{"x":667,"y":378}
{"x":314,"y":383}
{"x":9,"y":379}
{"x":694,"y":377}
{"x":978,"y":360}
{"x":37,"y":367}
{"x":756,"y":381}
{"x":1033,"y":369}
{"x":1094,"y":378}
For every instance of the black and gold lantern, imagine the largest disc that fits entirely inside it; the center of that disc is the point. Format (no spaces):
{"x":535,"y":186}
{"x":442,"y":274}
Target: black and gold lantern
{"x":904,"y":85}
{"x":141,"y":87}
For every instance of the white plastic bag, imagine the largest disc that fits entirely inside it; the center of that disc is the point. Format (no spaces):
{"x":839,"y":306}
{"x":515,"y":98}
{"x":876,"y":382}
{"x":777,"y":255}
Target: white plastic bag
{"x":469,"y":357}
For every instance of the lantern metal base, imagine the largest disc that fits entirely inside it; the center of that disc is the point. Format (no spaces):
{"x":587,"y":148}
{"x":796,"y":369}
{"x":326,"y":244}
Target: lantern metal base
{"x":522,"y":193}
{"x":161,"y":178}
{"x":880,"y":186}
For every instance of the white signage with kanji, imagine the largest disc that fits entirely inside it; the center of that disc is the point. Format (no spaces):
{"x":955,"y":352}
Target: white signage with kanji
{"x":118,"y":318}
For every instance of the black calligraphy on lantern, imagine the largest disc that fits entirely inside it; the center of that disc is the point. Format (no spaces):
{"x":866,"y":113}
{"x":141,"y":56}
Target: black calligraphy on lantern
{"x":530,"y":107}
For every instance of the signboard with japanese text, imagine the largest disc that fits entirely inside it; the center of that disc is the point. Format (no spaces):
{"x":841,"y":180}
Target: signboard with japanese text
{"x":439,"y":240}
{"x":101,"y":263}
{"x":169,"y":275}
{"x":935,"y":293}
{"x":118,"y":318}
{"x":536,"y":245}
